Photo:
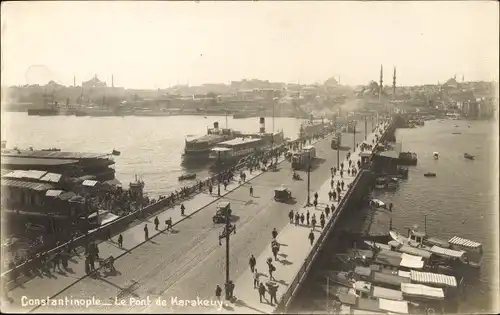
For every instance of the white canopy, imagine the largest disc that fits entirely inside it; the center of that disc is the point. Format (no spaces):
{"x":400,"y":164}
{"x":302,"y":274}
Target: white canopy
{"x":420,"y":290}
{"x":410,"y":261}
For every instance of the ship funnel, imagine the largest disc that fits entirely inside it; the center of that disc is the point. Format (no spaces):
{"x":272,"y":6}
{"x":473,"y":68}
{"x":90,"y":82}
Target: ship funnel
{"x":216,"y":125}
{"x":262,"y":122}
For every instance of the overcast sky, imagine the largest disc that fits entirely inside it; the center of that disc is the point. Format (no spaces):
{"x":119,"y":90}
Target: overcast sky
{"x":159,"y":44}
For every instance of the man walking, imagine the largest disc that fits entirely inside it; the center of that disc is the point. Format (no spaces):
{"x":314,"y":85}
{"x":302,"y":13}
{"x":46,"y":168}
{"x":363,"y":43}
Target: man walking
{"x":218,"y":292}
{"x":262,"y":292}
{"x":307,"y":216}
{"x":256,"y":279}
{"x":252,"y":262}
{"x":157,"y":222}
{"x":182,"y":209}
{"x":120,"y":241}
{"x":290,"y":216}
{"x":274,"y":233}
{"x":311,"y":237}
{"x":327,"y":211}
{"x":146,"y":232}
{"x":251,"y":191}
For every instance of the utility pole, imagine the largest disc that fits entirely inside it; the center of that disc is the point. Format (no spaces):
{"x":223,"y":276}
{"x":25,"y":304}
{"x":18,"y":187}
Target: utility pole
{"x":354,"y":136}
{"x":309,"y":181}
{"x":226,"y":233}
{"x":219,"y":175}
{"x":366,"y":128}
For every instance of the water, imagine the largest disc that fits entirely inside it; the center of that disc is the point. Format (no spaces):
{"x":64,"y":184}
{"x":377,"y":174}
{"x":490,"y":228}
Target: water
{"x":150,"y":147}
{"x":460,"y":200}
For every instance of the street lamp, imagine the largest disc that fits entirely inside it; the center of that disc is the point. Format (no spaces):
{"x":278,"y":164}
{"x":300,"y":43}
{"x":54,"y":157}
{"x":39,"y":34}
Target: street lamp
{"x":309,"y":181}
{"x":226,"y":232}
{"x":219,"y":174}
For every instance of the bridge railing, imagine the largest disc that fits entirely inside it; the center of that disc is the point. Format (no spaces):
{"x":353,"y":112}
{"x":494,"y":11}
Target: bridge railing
{"x":307,"y":264}
{"x":286,"y":298}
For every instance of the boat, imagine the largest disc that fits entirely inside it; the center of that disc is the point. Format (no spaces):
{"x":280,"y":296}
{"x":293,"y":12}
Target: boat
{"x":408,"y":158}
{"x":456,"y":133}
{"x":231,"y":151}
{"x":467,"y":252}
{"x":392,"y":183}
{"x":436,"y":155}
{"x":377,"y":204}
{"x":52,"y":149}
{"x":199,"y":148}
{"x":468,"y":156}
{"x":241,"y":115}
{"x":428,"y":174}
{"x":187,"y":176}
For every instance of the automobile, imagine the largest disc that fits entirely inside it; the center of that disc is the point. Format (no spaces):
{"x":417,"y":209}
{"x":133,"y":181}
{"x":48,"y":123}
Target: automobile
{"x":223,"y":211}
{"x":282,"y":194}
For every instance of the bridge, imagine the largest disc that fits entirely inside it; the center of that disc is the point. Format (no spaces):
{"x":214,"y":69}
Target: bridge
{"x":178,"y":270}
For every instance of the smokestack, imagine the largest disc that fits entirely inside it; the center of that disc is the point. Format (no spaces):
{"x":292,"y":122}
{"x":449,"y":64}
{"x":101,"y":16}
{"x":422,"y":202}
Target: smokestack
{"x":262,"y":122}
{"x":216,"y":125}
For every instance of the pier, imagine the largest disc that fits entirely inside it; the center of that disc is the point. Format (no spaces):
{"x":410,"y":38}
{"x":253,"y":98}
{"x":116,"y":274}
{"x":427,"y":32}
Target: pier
{"x":187,"y":262}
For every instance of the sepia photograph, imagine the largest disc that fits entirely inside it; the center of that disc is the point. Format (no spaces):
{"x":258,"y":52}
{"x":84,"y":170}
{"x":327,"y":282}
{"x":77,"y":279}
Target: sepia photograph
{"x":250,"y":157}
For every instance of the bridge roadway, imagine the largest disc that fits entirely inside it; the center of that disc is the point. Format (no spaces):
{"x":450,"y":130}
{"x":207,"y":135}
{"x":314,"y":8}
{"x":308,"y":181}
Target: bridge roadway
{"x":188,"y":263}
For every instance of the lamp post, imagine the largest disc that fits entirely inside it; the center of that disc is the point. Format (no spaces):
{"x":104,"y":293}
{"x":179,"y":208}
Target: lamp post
{"x":219,"y":174}
{"x":366,"y":129}
{"x":226,"y":232}
{"x":354,"y":136}
{"x":339,"y":138}
{"x":309,"y":181}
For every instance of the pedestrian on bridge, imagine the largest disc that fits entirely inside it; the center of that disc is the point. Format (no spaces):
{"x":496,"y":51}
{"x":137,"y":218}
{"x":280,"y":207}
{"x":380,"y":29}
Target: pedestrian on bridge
{"x":302,"y":218}
{"x":341,"y":166}
{"x":256,"y":276}
{"x":307,"y":216}
{"x":271,"y":268}
{"x":334,"y":170}
{"x":350,"y":162}
{"x":157,"y":222}
{"x":334,"y":195}
{"x":341,"y":173}
{"x":120,"y":241}
{"x":331,"y":171}
{"x":311,"y":237}
{"x":262,"y":292}
{"x":349,"y":172}
{"x":327,"y":210}
{"x":338,"y":190}
{"x":290,"y":216}
{"x":313,"y":221}
{"x":342,"y":184}
{"x":332,"y":182}
{"x":273,"y":289}
{"x":252,"y":262}
{"x":210,"y":189}
{"x":330,"y":195}
{"x":251,"y":191}
{"x":338,"y":197}
{"x":322,"y":220}
{"x":274,"y":234}
{"x":182,"y":209}
{"x":146,"y":232}
{"x":168,"y":223}
{"x":218,"y":292}
{"x":297,"y":218}
{"x":275,"y":248}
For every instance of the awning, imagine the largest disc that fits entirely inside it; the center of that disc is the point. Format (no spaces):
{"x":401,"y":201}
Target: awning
{"x":89,"y":183}
{"x":53,"y":193}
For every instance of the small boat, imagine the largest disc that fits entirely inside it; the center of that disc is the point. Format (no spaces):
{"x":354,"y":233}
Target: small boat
{"x":456,"y":133}
{"x":468,"y":156}
{"x":436,"y":155}
{"x":187,"y":176}
{"x":428,"y":174}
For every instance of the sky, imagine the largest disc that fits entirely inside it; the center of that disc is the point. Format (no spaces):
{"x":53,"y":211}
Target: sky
{"x":160,"y":44}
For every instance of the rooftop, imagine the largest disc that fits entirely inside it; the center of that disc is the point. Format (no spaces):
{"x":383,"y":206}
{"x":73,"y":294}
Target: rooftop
{"x":53,"y":154}
{"x":239,"y":141}
{"x":18,"y":160}
{"x":26,"y":185}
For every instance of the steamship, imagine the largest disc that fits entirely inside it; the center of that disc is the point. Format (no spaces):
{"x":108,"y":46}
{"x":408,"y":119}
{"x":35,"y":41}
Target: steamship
{"x":231,"y":151}
{"x":199,"y":148}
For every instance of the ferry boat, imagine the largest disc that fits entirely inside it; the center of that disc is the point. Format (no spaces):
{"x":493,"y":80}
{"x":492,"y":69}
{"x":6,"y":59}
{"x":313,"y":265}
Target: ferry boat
{"x":232,"y":151}
{"x":455,"y":250}
{"x":199,"y":148}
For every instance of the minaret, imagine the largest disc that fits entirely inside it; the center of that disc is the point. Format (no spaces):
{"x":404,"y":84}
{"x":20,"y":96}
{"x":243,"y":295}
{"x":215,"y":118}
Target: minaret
{"x":112,"y":81}
{"x":381,"y":86}
{"x":394,"y":84}
{"x":74,"y":81}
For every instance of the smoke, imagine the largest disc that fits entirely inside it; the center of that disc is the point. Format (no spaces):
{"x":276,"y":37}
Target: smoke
{"x":351,"y":105}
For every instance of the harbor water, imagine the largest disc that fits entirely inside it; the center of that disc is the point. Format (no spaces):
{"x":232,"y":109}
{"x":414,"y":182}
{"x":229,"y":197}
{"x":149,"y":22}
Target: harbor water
{"x":460,"y":200}
{"x":150,"y":147}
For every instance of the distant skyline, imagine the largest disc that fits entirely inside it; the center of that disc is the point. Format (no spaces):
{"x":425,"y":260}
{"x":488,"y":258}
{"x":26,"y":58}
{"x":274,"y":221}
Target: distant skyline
{"x":154,"y":45}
